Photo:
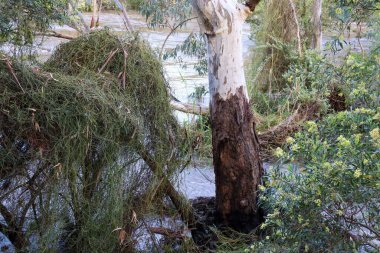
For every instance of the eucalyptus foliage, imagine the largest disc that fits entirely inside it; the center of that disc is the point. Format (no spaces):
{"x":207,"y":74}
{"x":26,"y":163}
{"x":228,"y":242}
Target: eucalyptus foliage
{"x":21,"y":19}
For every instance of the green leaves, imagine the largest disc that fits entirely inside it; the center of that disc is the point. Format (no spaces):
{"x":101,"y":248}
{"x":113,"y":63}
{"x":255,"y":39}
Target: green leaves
{"x":164,"y":13}
{"x":322,"y":196}
{"x":21,"y":19}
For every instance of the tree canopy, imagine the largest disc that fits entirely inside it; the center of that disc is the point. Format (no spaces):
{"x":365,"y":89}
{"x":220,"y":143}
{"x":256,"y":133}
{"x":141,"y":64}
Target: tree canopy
{"x":21,"y":19}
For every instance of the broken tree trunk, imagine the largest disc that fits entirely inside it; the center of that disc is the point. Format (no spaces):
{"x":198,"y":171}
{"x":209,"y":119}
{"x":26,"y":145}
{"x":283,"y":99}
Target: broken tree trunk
{"x":237,"y":165}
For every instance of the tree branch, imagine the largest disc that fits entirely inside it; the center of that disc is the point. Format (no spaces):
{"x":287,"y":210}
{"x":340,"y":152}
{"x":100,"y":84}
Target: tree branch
{"x":57,"y":35}
{"x":171,"y":32}
{"x":7,"y":215}
{"x":3,"y":229}
{"x":181,"y":204}
{"x":127,"y":21}
{"x":189,"y":108}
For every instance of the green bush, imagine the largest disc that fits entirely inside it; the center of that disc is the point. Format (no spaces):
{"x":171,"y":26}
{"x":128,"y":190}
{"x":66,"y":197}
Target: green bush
{"x":330,"y":198}
{"x":308,"y":80}
{"x":322,"y":196}
{"x":134,"y":4}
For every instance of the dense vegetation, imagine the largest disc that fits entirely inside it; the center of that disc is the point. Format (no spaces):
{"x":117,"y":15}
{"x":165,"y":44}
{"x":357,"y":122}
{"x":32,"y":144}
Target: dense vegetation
{"x":82,"y":134}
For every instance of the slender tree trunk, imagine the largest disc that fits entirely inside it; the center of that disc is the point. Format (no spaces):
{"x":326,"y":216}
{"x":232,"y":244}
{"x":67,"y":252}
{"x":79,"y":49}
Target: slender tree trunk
{"x":94,"y":13}
{"x":316,"y":25}
{"x":237,"y":165}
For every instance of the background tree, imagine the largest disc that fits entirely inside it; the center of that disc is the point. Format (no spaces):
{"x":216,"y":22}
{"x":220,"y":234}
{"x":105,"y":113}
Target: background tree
{"x":21,"y":19}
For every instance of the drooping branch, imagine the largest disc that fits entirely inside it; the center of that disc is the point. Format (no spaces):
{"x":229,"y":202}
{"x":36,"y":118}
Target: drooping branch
{"x":179,"y":201}
{"x":171,"y":32}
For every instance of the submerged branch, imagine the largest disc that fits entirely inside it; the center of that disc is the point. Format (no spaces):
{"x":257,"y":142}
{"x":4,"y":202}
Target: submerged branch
{"x":181,"y":204}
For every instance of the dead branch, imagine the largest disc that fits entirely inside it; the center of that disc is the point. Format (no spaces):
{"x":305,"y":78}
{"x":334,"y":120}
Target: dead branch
{"x":278,"y":134}
{"x":11,"y":70}
{"x":56,"y":35}
{"x":109,"y":58}
{"x":166,"y":232}
{"x":189,"y":108}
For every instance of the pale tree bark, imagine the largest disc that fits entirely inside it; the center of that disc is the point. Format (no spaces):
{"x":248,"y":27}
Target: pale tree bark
{"x":127,"y":21}
{"x":94,"y":13}
{"x":297,"y":26}
{"x":238,"y":168}
{"x":316,"y":25}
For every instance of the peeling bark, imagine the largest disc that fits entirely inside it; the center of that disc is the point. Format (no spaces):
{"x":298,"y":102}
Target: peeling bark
{"x":238,"y":168}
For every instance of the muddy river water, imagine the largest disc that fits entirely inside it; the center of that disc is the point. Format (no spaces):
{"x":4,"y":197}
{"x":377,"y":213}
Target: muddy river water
{"x":182,"y":80}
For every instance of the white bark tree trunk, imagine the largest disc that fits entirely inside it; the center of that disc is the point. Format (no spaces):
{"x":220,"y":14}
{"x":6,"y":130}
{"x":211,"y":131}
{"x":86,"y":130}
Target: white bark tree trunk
{"x":94,"y":13}
{"x":237,"y":165}
{"x":316,"y":24}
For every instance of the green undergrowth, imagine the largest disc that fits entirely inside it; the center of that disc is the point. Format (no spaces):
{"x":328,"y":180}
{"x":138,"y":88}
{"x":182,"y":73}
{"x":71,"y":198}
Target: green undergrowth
{"x":322,"y":194}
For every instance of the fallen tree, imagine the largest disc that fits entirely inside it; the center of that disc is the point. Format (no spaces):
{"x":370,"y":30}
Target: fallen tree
{"x":92,"y":138}
{"x":277,"y":135}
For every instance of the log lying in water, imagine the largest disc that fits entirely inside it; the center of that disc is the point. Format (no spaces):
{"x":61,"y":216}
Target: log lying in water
{"x":190,"y":108}
{"x":280,"y":132}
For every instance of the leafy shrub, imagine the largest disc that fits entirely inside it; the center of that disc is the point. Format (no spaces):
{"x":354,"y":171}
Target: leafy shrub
{"x":330,"y":200}
{"x":322,"y":196}
{"x":308,"y":80}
